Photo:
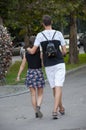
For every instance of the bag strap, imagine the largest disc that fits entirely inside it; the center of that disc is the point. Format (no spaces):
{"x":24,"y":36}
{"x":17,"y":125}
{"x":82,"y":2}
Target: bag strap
{"x":46,"y":37}
{"x":53,"y":35}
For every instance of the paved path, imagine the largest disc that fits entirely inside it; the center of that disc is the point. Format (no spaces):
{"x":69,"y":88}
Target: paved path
{"x":16,"y":111}
{"x":16,"y":58}
{"x":81,"y":50}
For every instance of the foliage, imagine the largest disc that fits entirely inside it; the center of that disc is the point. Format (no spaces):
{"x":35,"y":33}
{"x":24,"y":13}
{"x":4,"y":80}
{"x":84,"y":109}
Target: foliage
{"x":82,"y":61}
{"x":26,"y":15}
{"x":73,"y":9}
{"x":5,"y":53}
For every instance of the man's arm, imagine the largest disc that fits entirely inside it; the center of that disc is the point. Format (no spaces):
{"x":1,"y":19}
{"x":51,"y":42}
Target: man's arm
{"x":63,"y":50}
{"x":32,"y":50}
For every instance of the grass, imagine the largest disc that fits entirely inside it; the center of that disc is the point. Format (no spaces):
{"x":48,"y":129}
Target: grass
{"x":12,"y":73}
{"x":82,"y":61}
{"x":13,"y":70}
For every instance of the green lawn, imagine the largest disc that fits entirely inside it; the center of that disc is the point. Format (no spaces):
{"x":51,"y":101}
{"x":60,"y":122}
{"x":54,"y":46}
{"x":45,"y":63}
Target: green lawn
{"x":13,"y":70}
{"x":82,"y":61}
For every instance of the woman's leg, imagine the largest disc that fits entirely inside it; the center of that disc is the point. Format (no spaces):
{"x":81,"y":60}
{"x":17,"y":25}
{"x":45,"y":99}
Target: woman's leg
{"x":39,"y":102}
{"x":33,"y":97}
{"x":39,"y":96}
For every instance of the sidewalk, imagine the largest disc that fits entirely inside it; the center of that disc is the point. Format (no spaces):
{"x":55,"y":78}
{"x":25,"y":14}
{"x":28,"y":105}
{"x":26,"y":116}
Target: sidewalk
{"x":16,"y":111}
{"x":16,"y":58}
{"x":14,"y":90}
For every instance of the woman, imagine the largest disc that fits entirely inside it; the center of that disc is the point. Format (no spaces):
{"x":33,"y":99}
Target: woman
{"x":34,"y":78}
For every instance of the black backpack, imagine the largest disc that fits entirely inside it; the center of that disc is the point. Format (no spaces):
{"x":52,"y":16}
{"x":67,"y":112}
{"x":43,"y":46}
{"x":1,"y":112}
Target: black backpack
{"x":50,"y":48}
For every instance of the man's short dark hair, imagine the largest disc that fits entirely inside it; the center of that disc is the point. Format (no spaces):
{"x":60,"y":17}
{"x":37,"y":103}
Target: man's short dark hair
{"x":46,"y":20}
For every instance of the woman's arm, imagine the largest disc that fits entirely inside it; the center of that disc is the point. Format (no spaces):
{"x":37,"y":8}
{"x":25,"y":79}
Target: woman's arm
{"x":22,"y":66}
{"x":41,"y":56}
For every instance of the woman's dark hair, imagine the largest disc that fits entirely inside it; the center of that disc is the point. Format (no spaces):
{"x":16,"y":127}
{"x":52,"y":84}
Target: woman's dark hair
{"x":46,"y":20}
{"x":31,"y":41}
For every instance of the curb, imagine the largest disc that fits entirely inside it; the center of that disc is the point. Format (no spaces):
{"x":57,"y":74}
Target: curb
{"x":27,"y":91}
{"x":16,"y":94}
{"x":76,"y":69}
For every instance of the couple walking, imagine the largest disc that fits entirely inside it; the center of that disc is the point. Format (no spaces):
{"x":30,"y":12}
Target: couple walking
{"x":53,"y":63}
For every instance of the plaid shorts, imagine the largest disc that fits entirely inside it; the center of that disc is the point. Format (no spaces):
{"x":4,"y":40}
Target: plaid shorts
{"x":34,"y":78}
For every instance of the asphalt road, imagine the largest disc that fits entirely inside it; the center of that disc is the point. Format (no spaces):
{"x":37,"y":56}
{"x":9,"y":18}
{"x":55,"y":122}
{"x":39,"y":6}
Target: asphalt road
{"x":16,"y":111}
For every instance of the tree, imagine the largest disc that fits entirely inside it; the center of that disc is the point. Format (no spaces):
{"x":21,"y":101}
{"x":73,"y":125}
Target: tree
{"x":73,"y":52}
{"x":27,"y":16}
{"x":78,"y":8}
{"x":72,"y":9}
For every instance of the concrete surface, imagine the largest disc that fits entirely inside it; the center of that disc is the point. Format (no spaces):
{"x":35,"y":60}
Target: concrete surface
{"x":16,"y":58}
{"x":16,"y":112}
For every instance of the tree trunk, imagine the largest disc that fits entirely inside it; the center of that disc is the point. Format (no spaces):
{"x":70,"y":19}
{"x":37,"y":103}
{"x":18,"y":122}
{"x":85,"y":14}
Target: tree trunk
{"x":73,"y":52}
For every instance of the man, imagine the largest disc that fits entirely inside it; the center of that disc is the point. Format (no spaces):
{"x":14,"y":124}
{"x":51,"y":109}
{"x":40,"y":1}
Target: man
{"x":54,"y":66}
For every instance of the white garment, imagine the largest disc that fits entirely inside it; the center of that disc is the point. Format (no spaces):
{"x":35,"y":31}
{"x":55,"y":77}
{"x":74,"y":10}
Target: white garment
{"x":49,"y":34}
{"x":56,"y":75}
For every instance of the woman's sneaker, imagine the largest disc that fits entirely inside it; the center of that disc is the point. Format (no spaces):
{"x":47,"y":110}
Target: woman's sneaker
{"x":36,"y":115}
{"x":38,"y":112}
{"x":55,"y":115}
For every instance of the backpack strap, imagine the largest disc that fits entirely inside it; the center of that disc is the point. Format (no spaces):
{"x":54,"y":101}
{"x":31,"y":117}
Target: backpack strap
{"x":46,"y":37}
{"x":53,"y":35}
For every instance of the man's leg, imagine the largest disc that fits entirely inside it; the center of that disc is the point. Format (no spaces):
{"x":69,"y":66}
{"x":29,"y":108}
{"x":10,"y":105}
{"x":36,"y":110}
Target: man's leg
{"x":57,"y":92}
{"x":60,"y":101}
{"x":61,"y":108}
{"x":57,"y":98}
